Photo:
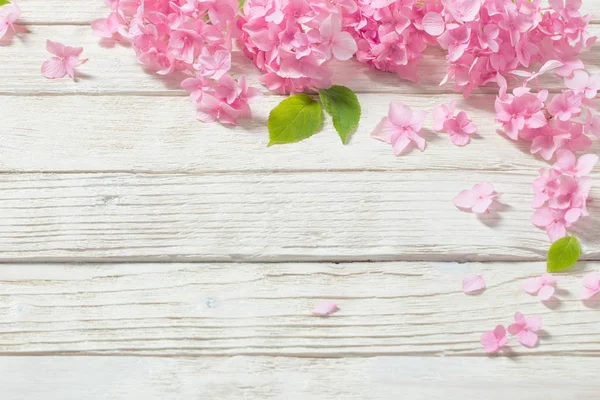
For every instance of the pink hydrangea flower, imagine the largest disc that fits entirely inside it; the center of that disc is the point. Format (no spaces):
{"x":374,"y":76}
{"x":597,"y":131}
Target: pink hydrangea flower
{"x":459,"y":129}
{"x":564,"y":106}
{"x":568,"y":163}
{"x":543,"y":286}
{"x":520,"y":111}
{"x":9,"y":14}
{"x":401,"y":127}
{"x":473,"y":284}
{"x":109,"y":27}
{"x":494,"y":340}
{"x":64,"y":62}
{"x":477,"y":199}
{"x":592,"y":123}
{"x":591,"y":286}
{"x":582,"y":83}
{"x":525,"y":329}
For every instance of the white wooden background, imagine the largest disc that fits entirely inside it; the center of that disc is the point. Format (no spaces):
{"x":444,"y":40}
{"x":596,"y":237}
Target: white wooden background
{"x":145,"y":255}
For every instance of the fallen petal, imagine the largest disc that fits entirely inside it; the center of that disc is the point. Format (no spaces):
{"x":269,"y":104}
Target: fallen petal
{"x":473,"y":284}
{"x":324,"y":309}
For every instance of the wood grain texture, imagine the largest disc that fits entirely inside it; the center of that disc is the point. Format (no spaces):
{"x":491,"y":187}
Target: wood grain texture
{"x":259,"y":216}
{"x":264,"y":309}
{"x":81,"y":12}
{"x":161,"y":134}
{"x":115,"y":70}
{"x":266,"y":378}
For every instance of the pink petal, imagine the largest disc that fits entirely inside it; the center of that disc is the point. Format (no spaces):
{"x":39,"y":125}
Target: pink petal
{"x":482,"y":205}
{"x":465,"y":200}
{"x":587,"y":293}
{"x":54,"y":68}
{"x":485,"y":188}
{"x":473,"y":284}
{"x":527,"y":338}
{"x":532,"y":285}
{"x":433,"y":23}
{"x":384,"y":130}
{"x":591,"y":281}
{"x":324,"y":309}
{"x":513,"y":329}
{"x":489,"y":342}
{"x":578,"y":81}
{"x":400,"y":114}
{"x":344,"y":46}
{"x":542,"y":217}
{"x":546,"y":292}
{"x":55,"y":48}
{"x":460,"y":139}
{"x":586,"y":163}
{"x":534,"y":323}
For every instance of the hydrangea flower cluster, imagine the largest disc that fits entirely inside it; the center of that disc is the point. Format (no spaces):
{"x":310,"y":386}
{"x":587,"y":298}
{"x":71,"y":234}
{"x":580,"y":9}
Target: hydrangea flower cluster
{"x":390,"y":34}
{"x":562,"y":193}
{"x":486,"y":39}
{"x":291,"y":41}
{"x":190,"y":36}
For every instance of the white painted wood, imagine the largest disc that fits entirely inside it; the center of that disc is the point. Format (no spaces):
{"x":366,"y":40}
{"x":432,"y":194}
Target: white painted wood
{"x":115,"y":69}
{"x":150,"y":134}
{"x":270,"y":216}
{"x":264,"y":309}
{"x":264,"y":378}
{"x":79,"y":12}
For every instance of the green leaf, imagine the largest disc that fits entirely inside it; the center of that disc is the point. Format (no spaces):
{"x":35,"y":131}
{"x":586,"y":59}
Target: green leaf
{"x":4,"y":2}
{"x":240,"y":1}
{"x":294,"y":119}
{"x":343,"y":106}
{"x":563,"y":254}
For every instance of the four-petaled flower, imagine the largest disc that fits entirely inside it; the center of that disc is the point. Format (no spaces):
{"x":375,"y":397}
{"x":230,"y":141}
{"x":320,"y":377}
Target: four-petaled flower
{"x":525,"y":329}
{"x":477,"y":199}
{"x":494,"y":340}
{"x":64,"y":62}
{"x":401,"y":127}
{"x":544,"y":286}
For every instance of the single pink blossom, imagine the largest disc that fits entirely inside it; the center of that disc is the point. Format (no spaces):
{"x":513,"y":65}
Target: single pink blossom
{"x":9,"y":14}
{"x":324,"y":309}
{"x":544,"y":286}
{"x":525,"y":329}
{"x":213,"y":65}
{"x":108,"y":27}
{"x":488,"y":37}
{"x":552,"y":220}
{"x":592,"y":123}
{"x":459,"y":129}
{"x":401,"y":127}
{"x":463,"y":10}
{"x":591,"y":286}
{"x":340,"y":43}
{"x":564,"y":106}
{"x":582,"y":83}
{"x":473,"y":284}
{"x":65,"y":61}
{"x":494,"y":340}
{"x":456,"y":41}
{"x":477,"y":199}
{"x":567,"y":162}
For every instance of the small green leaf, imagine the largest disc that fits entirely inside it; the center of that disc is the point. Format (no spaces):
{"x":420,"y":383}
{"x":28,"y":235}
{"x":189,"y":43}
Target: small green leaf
{"x":4,"y":2}
{"x":563,"y":254}
{"x":240,"y":1}
{"x":343,"y":106}
{"x":294,"y":119}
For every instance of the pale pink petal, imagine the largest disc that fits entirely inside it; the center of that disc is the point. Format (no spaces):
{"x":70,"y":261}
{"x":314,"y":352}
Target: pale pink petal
{"x":531,"y":285}
{"x":534,"y":323}
{"x":473,"y":284}
{"x":527,"y":338}
{"x":586,"y":163}
{"x":433,"y":23}
{"x":55,"y":48}
{"x":489,"y":342}
{"x":592,"y":281}
{"x":325,"y":308}
{"x":586,"y":293}
{"x":466,"y":199}
{"x":484,"y":188}
{"x":384,"y":130}
{"x":400,"y":114}
{"x":482,"y":205}
{"x":546,"y":292}
{"x":344,"y":46}
{"x":54,"y":68}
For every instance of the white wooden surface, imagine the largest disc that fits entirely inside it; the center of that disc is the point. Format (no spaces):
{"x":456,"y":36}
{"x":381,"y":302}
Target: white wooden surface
{"x":146,"y":255}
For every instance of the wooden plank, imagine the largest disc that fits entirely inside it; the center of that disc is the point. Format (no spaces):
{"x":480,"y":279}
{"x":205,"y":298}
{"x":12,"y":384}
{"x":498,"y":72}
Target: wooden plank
{"x":115,"y":70}
{"x":264,"y":378}
{"x":161,"y":134}
{"x":258,"y":216}
{"x":411,"y":308}
{"x":83,"y":12}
